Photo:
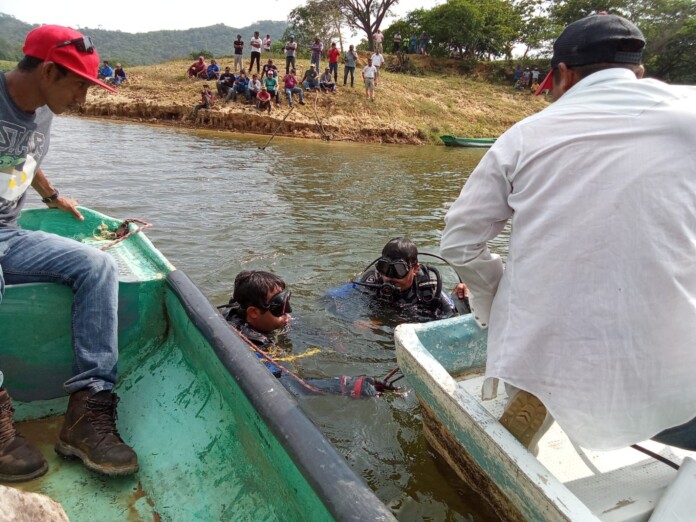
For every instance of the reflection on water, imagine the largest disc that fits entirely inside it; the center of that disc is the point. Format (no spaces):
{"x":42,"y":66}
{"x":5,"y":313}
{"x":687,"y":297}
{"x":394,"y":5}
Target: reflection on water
{"x":316,"y":214}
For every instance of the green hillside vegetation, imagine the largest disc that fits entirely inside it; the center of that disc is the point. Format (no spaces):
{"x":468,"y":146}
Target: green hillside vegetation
{"x":145,"y":48}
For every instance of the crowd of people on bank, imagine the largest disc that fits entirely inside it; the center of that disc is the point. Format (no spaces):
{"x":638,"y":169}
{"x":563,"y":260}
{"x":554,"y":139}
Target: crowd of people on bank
{"x":268,"y":84}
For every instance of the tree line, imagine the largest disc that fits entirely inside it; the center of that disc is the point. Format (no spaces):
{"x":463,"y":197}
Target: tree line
{"x":498,"y":29}
{"x":145,"y":48}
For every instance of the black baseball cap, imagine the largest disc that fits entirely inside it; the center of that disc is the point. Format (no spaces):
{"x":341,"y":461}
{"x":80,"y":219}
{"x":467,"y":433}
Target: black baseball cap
{"x":599,"y":38}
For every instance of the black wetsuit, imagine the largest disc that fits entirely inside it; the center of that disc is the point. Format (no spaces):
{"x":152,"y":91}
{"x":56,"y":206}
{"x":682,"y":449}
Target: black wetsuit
{"x":420,"y":297}
{"x":360,"y":386}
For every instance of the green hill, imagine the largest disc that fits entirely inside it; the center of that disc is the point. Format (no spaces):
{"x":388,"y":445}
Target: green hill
{"x":145,"y":48}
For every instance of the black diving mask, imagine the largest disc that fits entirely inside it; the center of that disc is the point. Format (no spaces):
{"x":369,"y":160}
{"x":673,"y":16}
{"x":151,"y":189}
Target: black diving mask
{"x":279,"y":304}
{"x":393,"y":269}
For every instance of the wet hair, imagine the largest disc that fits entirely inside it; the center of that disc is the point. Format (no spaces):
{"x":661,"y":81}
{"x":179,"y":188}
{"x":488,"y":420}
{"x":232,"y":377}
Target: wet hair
{"x":401,"y":248}
{"x":252,"y":286}
{"x":30,"y":63}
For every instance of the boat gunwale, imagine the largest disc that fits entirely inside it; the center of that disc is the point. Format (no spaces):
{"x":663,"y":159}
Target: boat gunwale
{"x":411,"y":352}
{"x":343,"y":492}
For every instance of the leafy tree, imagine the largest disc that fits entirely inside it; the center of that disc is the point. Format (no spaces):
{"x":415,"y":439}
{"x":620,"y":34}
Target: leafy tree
{"x":413,"y":23}
{"x":317,"y":18}
{"x":537,"y":31}
{"x":473,"y":29}
{"x":365,"y":15}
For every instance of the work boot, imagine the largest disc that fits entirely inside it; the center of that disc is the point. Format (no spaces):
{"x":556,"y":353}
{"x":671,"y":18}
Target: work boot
{"x":526,"y":417}
{"x":89,"y":433}
{"x":19,"y":460}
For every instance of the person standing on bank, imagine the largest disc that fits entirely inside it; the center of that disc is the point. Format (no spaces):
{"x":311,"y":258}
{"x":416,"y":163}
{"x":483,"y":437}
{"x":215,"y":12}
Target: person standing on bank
{"x":255,"y":44}
{"x":59,"y":66}
{"x":593,"y":319}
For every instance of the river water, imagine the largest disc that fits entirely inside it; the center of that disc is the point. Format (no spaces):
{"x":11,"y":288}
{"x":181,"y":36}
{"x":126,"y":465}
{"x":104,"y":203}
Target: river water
{"x":316,"y":214}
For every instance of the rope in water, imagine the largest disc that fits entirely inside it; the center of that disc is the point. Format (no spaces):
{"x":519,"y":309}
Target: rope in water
{"x":272,"y":361}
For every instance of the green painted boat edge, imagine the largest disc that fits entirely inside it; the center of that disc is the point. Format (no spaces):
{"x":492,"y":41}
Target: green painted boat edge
{"x":345,"y":494}
{"x":453,"y":141}
{"x":518,"y":483}
{"x":326,"y":478}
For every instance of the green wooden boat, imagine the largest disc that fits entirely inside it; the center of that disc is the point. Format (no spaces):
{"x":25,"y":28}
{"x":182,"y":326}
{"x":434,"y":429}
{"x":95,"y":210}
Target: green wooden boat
{"x":217,"y":437}
{"x":453,"y":141}
{"x":445,"y":360}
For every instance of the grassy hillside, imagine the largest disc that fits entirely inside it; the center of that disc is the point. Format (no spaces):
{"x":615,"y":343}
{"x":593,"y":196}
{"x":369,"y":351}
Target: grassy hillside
{"x":439,"y":99}
{"x":144,"y":48}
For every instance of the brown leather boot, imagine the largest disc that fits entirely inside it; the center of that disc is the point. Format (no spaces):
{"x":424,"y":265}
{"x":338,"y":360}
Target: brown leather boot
{"x":19,"y":460}
{"x":89,"y":433}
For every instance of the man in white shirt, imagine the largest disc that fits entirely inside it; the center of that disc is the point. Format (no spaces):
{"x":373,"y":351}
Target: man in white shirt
{"x":255,"y":44}
{"x":594,"y":316}
{"x":369,"y":74}
{"x":377,"y":61}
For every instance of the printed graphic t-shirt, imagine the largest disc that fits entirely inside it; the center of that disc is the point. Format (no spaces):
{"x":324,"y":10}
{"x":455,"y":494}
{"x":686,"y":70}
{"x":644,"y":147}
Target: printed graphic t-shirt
{"x":24,"y":140}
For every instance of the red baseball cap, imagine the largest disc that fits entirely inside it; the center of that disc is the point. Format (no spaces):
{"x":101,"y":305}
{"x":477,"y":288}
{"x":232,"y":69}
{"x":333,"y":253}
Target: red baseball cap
{"x":66,"y":47}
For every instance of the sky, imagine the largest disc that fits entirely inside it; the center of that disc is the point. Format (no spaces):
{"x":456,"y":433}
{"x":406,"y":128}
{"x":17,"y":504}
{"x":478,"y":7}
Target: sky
{"x":135,"y":16}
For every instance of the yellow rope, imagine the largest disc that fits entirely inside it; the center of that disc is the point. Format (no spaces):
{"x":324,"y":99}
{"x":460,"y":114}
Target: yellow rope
{"x":291,"y":358}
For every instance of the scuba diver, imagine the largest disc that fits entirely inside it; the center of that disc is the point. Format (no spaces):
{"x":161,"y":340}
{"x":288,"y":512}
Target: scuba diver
{"x":260,"y":305}
{"x":399,"y":279}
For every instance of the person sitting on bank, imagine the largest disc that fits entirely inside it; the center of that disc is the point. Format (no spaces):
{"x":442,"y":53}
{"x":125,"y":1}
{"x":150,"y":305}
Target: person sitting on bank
{"x":260,"y":306}
{"x":326,"y":82}
{"x":271,"y":84}
{"x":253,"y":87}
{"x":238,"y":87}
{"x":212,"y":71}
{"x":263,"y":99}
{"x":119,"y":75}
{"x":398,"y":278}
{"x":206,"y":100}
{"x":310,"y":80}
{"x":290,"y":84}
{"x":198,"y":69}
{"x":269,"y":66}
{"x":106,"y":72}
{"x":226,"y":82}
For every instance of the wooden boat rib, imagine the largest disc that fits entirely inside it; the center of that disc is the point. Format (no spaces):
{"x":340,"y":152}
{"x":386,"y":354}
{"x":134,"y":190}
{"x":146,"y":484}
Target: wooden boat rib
{"x":453,"y":141}
{"x":217,"y":436}
{"x":444,"y":361}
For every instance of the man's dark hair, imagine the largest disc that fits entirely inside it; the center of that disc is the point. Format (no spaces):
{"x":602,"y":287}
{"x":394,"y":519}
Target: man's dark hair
{"x":252,"y":286}
{"x":401,"y":248}
{"x":30,"y":63}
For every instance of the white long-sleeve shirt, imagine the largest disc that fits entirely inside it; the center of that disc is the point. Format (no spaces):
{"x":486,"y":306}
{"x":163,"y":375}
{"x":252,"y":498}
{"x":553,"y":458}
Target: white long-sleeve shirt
{"x":595,"y":312}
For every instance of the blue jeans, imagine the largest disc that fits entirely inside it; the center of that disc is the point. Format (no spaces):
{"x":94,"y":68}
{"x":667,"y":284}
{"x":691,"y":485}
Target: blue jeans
{"x":333,"y":68}
{"x":682,"y":436}
{"x":313,"y":84}
{"x":294,"y":90}
{"x":38,"y":257}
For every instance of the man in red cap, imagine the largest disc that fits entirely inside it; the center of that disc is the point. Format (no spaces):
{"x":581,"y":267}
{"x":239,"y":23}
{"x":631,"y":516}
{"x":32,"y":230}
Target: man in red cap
{"x":593,"y":319}
{"x":58,"y":68}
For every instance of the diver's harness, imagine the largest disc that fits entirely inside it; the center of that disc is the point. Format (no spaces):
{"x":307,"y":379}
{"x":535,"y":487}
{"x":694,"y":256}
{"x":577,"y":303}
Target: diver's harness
{"x":428,"y":287}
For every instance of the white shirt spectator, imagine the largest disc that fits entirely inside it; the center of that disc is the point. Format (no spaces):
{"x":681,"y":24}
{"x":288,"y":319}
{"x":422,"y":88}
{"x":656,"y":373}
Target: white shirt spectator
{"x":370,"y":72}
{"x":290,"y":48}
{"x":255,"y":44}
{"x":377,"y":60}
